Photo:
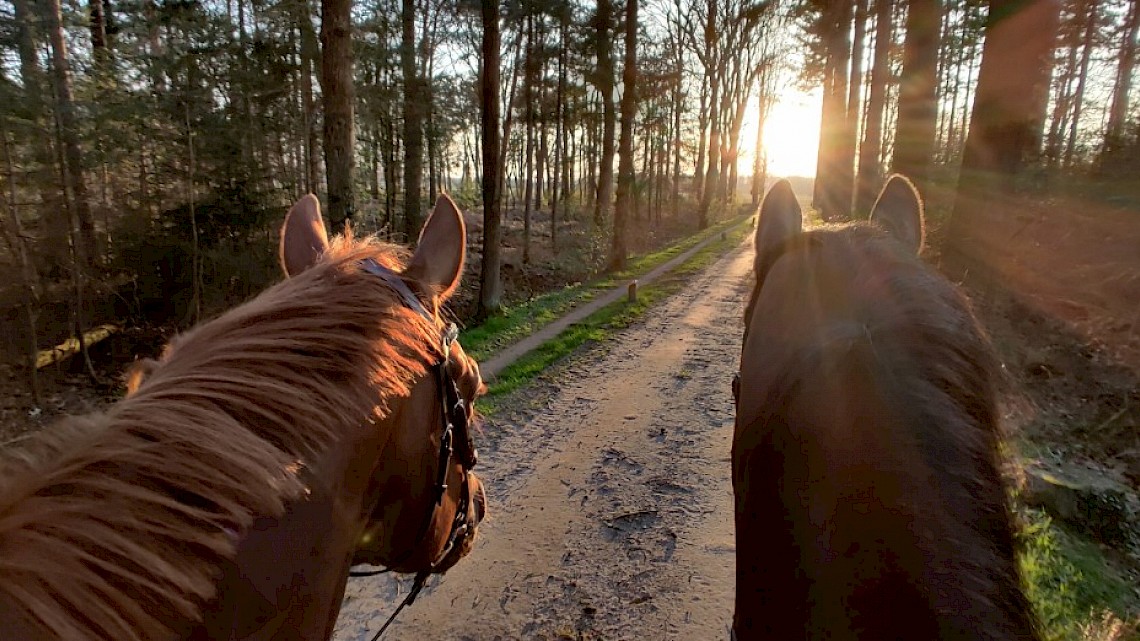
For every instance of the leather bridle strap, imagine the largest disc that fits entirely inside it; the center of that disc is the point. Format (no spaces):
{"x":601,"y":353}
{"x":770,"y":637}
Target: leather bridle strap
{"x":454,"y":415}
{"x":417,"y":585}
{"x":396,"y":283}
{"x":453,"y":410}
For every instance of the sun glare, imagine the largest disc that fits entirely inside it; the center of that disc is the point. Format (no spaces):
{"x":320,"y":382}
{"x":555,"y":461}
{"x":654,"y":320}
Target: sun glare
{"x":791,"y":134}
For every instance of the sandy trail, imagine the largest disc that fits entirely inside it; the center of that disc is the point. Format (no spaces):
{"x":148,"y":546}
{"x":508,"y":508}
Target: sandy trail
{"x":611,"y":497}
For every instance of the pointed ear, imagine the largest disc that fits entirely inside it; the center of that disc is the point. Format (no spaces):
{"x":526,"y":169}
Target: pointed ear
{"x":303,"y":237}
{"x":439,"y":256}
{"x":139,"y":372}
{"x":899,"y":211}
{"x":780,"y":220}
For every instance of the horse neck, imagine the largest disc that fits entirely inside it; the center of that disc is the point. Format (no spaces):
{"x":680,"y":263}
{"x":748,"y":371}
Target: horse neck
{"x":182,"y":506}
{"x":259,"y":597}
{"x":871,"y":442}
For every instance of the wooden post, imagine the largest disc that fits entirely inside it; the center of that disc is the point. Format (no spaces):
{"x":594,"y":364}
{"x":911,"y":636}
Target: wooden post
{"x":633,"y":291}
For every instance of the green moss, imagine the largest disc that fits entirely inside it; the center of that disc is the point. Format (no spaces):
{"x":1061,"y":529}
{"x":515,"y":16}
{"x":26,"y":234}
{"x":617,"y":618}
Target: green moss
{"x":1069,"y":581}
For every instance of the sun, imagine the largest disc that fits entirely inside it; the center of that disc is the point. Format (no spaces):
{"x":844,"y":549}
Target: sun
{"x":791,"y":134}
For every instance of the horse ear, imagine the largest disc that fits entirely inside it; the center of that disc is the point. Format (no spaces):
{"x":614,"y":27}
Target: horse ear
{"x":138,"y":373}
{"x":780,"y":220}
{"x":303,"y":237}
{"x":438,"y":259}
{"x":899,"y":211}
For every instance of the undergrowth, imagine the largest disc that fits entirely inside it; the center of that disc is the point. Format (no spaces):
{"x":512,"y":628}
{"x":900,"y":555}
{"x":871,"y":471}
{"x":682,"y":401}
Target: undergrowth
{"x":1077,"y":594}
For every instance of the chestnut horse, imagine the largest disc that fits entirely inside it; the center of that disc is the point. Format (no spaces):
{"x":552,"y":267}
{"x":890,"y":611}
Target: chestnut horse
{"x":865,"y":461}
{"x":228,"y":494}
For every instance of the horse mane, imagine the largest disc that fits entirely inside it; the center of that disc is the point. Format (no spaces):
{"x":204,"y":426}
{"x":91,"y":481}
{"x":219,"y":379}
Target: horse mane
{"x":117,"y":525}
{"x":909,"y":351}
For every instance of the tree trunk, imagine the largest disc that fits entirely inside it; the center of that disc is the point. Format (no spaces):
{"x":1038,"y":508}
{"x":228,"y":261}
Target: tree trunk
{"x":844,"y":170}
{"x":732,"y":149}
{"x":18,"y":247}
{"x":540,"y":161}
{"x":967,"y":99}
{"x":505,"y":141}
{"x":98,"y":27}
{"x":639,"y":194}
{"x":390,"y":179}
{"x":69,"y":131}
{"x":918,"y":109}
{"x":1118,"y":113}
{"x":413,"y":123}
{"x":338,"y":96}
{"x":1061,"y":103}
{"x":528,"y":106}
{"x":870,"y":171}
{"x":561,"y":186}
{"x":433,"y":152}
{"x":1082,"y":78}
{"x":605,"y":75}
{"x":36,"y":107}
{"x":702,"y":127}
{"x":833,"y":169}
{"x":942,"y":86}
{"x":954,"y":60}
{"x":1019,"y":38}
{"x":677,"y":143}
{"x":310,"y":52}
{"x":490,"y":286}
{"x":846,"y":189}
{"x":77,"y":303}
{"x":766,"y":99}
{"x":619,"y":250}
{"x":712,"y":174}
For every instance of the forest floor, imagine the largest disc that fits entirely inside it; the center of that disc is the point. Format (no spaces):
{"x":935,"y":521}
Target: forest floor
{"x":1059,"y":292}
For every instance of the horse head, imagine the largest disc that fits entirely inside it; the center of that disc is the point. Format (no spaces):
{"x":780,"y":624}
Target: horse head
{"x":358,"y":392}
{"x":427,"y":503}
{"x":865,"y":459}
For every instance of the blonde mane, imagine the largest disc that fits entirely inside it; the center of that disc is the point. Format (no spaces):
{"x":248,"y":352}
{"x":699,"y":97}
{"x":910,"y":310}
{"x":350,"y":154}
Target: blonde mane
{"x":117,"y":525}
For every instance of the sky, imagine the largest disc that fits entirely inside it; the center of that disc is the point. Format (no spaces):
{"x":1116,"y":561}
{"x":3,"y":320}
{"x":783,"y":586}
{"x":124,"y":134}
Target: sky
{"x":791,"y":135}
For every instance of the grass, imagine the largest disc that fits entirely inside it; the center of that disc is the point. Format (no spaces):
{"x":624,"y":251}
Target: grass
{"x":602,"y":323}
{"x":1077,"y":594}
{"x":515,"y":322}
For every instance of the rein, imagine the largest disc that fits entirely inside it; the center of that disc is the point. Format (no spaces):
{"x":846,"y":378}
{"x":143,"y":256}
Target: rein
{"x":454,"y":416}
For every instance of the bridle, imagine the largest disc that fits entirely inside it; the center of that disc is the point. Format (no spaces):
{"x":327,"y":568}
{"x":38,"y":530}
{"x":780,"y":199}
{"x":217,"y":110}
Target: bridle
{"x":454,"y":420}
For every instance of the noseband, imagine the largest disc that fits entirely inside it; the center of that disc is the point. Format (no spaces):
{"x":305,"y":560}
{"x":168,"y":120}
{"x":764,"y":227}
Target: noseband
{"x":453,"y":410}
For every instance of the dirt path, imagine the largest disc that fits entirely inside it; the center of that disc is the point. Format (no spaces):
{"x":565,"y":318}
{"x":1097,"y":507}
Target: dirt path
{"x":611,"y":513}
{"x":491,"y":367}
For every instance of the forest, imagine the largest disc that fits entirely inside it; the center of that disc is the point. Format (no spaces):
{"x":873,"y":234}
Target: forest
{"x":150,"y":148}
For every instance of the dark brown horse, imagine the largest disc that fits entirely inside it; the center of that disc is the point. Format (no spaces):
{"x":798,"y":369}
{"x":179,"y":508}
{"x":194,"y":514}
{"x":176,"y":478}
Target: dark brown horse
{"x":865,"y":464}
{"x":227,"y":495}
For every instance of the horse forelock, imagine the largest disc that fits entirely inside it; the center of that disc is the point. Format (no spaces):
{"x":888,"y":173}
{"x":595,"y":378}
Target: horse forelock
{"x":117,"y":525}
{"x":896,"y":354}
